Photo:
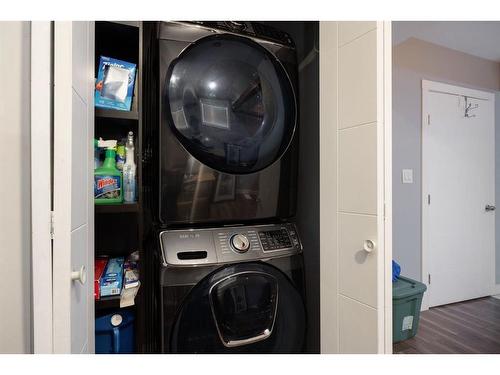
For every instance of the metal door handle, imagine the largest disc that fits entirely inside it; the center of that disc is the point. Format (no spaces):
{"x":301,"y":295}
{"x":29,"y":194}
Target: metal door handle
{"x":369,"y":246}
{"x":80,"y":275}
{"x":489,"y":207}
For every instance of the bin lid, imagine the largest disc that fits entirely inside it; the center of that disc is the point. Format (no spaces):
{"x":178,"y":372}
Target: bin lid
{"x":404,"y":287}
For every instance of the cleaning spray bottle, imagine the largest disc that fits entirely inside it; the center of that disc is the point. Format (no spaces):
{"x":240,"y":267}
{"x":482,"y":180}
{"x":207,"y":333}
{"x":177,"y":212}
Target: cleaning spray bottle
{"x":129,"y":171}
{"x":108,"y":179}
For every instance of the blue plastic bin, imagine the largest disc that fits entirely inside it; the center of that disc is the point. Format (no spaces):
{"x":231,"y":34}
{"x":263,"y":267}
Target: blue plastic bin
{"x":114,"y":333}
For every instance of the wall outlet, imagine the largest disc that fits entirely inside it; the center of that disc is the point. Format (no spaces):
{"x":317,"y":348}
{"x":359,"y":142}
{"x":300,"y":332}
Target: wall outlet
{"x":407,"y":176}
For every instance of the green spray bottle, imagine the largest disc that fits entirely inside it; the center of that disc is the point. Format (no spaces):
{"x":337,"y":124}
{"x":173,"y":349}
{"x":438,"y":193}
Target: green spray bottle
{"x":108,"y":180}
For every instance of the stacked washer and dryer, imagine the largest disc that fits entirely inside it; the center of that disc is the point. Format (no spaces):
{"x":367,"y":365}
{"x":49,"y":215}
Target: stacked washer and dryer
{"x":231,"y":273}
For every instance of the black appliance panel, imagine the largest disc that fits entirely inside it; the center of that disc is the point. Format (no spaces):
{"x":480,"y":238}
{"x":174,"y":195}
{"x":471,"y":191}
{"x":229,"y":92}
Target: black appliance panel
{"x":191,"y":192}
{"x":243,"y":308}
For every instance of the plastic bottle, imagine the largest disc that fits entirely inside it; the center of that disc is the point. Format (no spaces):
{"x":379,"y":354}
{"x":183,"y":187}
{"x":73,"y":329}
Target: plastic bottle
{"x":107,"y":178}
{"x":120,"y":156}
{"x":129,"y":171}
{"x":97,"y":154}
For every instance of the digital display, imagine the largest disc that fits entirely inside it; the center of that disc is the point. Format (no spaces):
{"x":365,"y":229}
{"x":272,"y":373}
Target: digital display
{"x":275,"y":239}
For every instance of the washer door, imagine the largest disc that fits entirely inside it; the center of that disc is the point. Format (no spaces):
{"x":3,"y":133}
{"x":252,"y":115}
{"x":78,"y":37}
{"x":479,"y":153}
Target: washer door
{"x":245,"y":308}
{"x":231,"y":104}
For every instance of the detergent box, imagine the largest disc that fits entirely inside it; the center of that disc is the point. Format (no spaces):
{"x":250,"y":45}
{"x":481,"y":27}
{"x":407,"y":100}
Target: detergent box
{"x":112,"y":280}
{"x":99,"y":267}
{"x":115,"y":84}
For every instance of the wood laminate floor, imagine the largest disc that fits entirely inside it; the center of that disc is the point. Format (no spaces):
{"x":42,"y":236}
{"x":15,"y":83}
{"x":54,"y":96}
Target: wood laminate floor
{"x":469,"y":327}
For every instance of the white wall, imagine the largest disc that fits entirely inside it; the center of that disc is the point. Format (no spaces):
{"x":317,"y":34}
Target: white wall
{"x":15,"y":225}
{"x":414,"y":60}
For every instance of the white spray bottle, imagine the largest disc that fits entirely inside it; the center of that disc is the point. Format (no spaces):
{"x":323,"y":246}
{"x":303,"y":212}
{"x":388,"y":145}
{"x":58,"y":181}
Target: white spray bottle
{"x":129,"y":171}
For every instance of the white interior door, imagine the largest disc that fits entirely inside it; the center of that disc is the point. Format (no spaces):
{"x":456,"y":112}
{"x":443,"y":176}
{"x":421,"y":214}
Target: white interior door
{"x":73,"y":245}
{"x":458,"y":184}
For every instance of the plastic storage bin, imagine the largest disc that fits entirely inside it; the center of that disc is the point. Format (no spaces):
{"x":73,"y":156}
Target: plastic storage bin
{"x":114,"y":333}
{"x":407,"y":297}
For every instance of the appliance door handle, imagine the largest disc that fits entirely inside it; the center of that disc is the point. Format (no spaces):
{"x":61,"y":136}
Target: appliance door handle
{"x":251,"y":340}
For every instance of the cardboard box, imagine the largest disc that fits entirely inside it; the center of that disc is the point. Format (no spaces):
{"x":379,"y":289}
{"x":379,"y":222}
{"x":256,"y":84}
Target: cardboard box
{"x":99,"y":267}
{"x":112,"y":280}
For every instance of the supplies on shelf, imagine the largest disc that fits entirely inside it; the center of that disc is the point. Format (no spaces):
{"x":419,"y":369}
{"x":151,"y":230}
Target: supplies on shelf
{"x":131,"y":274}
{"x":107,"y":178}
{"x":129,"y":171}
{"x":117,"y":277}
{"x":115,"y":179}
{"x":99,"y":267}
{"x":111,"y":281}
{"x":115,"y":84}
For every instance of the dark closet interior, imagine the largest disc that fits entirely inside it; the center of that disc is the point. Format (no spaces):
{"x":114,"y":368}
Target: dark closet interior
{"x":122,"y":229}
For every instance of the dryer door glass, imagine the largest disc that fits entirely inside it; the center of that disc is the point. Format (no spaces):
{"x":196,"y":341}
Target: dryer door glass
{"x":231,"y":104}
{"x":243,"y":308}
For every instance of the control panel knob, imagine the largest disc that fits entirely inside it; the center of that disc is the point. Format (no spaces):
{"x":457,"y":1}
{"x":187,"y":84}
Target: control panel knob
{"x":240,"y":243}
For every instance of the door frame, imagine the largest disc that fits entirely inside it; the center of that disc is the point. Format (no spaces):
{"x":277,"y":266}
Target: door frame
{"x":384,"y":166}
{"x":428,"y":85}
{"x":41,"y":185}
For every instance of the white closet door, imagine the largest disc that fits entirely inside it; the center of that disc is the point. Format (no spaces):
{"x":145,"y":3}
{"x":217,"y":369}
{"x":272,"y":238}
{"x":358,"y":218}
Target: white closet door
{"x":357,"y":164}
{"x":73,"y":249}
{"x":358,"y":147}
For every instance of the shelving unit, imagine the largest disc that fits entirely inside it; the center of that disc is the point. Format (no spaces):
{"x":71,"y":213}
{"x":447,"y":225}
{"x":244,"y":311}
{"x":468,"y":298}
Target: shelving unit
{"x":117,"y":208}
{"x":106,"y":303}
{"x":119,"y":227}
{"x":115,"y":114}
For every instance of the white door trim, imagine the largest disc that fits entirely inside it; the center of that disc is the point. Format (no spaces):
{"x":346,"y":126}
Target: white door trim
{"x":41,"y":185}
{"x":328,"y":61}
{"x":444,"y":88}
{"x":384,"y":100}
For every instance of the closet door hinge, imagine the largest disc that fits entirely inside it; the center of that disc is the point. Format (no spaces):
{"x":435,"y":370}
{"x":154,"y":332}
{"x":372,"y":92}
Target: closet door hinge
{"x":51,"y":225}
{"x":428,"y":119}
{"x":428,"y":199}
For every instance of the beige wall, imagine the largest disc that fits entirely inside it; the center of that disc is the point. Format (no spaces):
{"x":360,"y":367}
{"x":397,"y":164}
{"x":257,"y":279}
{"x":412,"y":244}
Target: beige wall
{"x":446,"y":64}
{"x":414,"y":60}
{"x":15,"y":229}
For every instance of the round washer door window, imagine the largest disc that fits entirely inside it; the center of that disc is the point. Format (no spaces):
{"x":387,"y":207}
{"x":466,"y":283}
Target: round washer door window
{"x":245,"y":308}
{"x":231,"y":104}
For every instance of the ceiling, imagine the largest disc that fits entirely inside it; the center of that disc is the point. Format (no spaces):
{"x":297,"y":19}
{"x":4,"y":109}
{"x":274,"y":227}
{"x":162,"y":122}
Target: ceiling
{"x":478,"y":38}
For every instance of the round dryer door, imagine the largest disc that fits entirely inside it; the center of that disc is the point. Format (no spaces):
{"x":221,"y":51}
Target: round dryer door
{"x":231,"y":104}
{"x":245,"y":308}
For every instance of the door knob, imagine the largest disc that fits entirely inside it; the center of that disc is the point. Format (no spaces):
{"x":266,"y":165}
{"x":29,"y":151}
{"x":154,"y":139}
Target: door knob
{"x":489,"y":207}
{"x":80,"y":275}
{"x":369,"y":246}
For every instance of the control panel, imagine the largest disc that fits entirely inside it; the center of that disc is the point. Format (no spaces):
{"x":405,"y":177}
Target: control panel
{"x":228,"y":244}
{"x":253,"y":29}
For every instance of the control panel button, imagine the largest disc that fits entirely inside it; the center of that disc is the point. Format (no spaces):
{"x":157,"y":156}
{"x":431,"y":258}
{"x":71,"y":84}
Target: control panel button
{"x":240,"y":243}
{"x":275,"y":240}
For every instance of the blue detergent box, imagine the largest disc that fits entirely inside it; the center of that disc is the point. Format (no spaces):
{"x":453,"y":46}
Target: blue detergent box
{"x":112,"y":280}
{"x":114,"y":87}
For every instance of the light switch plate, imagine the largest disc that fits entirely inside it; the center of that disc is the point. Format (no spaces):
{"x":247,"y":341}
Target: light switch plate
{"x":407,"y":176}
